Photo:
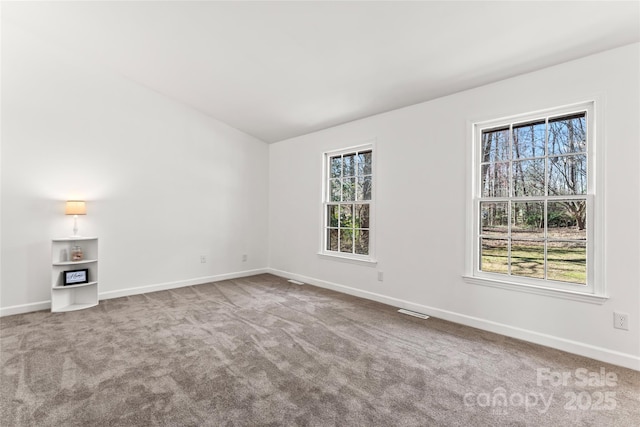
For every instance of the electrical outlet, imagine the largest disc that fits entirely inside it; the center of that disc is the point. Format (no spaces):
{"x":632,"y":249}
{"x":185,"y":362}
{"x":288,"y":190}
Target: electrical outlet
{"x":380,"y":276}
{"x":203,"y":259}
{"x":245,"y":257}
{"x":621,"y":321}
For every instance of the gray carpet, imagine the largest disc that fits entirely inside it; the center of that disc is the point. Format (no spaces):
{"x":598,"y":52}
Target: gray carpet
{"x":261,"y":351}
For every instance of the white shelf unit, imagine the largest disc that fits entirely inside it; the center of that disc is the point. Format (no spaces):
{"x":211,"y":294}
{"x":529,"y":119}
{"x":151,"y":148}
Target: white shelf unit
{"x":82,"y":295}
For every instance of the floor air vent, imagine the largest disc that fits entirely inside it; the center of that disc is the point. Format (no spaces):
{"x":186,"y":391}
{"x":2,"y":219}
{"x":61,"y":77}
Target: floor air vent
{"x":413,"y":313}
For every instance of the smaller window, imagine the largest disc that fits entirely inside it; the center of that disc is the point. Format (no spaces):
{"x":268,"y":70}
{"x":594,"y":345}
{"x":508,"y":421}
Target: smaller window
{"x":347,"y":203}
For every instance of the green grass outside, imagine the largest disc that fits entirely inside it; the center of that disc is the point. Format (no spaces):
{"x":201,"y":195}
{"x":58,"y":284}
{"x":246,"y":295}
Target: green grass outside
{"x":565,"y":264}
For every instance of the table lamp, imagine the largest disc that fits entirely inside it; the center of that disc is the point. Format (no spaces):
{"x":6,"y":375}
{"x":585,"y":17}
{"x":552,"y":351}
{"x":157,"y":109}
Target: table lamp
{"x":75,"y":208}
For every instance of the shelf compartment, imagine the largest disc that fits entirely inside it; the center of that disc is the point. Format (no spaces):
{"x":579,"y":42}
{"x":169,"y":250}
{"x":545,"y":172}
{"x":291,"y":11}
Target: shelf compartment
{"x":74,"y":297}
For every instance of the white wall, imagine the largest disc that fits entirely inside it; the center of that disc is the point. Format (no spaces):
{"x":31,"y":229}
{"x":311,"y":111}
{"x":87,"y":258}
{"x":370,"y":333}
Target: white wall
{"x":164,"y":184}
{"x":422,"y":175}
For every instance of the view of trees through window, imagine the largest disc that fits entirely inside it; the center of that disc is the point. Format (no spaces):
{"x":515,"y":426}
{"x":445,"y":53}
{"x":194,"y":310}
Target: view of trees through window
{"x":533,"y":204}
{"x":347,"y":216}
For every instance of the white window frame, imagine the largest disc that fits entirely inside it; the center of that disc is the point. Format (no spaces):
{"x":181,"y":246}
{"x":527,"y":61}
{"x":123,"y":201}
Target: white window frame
{"x":594,"y":291}
{"x":345,"y":256}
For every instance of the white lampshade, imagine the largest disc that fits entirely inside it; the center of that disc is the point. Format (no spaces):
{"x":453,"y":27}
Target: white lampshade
{"x":75,"y":207}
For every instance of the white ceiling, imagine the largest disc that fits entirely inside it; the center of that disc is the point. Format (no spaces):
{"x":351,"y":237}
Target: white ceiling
{"x":276,"y":70}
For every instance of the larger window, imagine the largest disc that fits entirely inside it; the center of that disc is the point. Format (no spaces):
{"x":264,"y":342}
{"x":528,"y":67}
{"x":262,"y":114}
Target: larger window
{"x":533,"y":200}
{"x":347,"y":203}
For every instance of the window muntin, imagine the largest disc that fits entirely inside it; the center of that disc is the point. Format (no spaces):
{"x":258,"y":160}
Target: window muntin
{"x":348,"y":203}
{"x":533,"y":201}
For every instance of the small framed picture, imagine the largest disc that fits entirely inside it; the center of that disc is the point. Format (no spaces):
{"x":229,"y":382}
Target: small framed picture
{"x":75,"y":277}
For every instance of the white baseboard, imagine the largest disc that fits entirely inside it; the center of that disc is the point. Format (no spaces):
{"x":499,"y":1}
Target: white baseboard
{"x":593,"y":352}
{"x":25,"y":308}
{"x":179,"y":284}
{"x":46,"y":305}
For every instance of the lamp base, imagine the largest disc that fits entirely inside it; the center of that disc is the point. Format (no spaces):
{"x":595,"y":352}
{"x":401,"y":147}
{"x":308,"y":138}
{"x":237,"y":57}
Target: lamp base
{"x":75,"y":226}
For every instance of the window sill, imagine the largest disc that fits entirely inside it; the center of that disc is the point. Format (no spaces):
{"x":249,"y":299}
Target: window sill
{"x":369,"y":262}
{"x":519,"y":287}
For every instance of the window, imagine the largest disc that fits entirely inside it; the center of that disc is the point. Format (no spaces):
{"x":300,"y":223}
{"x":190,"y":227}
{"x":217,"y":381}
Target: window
{"x":347,"y":203}
{"x":533,"y":200}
